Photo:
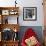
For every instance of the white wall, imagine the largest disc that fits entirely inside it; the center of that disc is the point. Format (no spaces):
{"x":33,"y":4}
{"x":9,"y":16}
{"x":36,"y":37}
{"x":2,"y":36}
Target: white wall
{"x":27,"y":3}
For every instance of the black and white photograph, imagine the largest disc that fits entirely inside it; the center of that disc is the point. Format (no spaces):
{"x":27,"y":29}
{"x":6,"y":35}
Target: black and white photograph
{"x":29,"y":13}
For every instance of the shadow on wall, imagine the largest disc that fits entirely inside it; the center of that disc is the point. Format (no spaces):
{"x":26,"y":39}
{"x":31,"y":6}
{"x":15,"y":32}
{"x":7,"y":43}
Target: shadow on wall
{"x":37,"y":29}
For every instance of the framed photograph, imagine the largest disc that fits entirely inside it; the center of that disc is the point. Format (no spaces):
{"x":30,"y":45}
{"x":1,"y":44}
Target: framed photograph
{"x":13,"y":12}
{"x":30,"y":13}
{"x":5,"y":12}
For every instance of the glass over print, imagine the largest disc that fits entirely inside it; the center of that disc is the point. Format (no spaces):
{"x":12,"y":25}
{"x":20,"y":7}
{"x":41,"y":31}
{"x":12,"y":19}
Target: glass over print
{"x":29,"y":13}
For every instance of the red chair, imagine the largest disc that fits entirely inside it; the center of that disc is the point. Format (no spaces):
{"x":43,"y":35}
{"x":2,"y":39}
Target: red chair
{"x":29,"y":33}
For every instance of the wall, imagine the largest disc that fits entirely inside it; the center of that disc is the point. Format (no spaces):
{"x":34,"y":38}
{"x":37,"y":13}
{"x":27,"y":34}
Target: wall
{"x":26,"y":3}
{"x":33,"y":3}
{"x":37,"y":29}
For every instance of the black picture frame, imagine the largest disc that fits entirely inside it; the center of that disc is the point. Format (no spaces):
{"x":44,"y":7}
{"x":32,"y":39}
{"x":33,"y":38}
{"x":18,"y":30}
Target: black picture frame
{"x":29,"y":13}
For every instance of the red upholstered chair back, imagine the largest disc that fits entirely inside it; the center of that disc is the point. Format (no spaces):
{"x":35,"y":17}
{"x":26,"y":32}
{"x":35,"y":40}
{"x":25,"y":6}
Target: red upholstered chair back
{"x":29,"y":33}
